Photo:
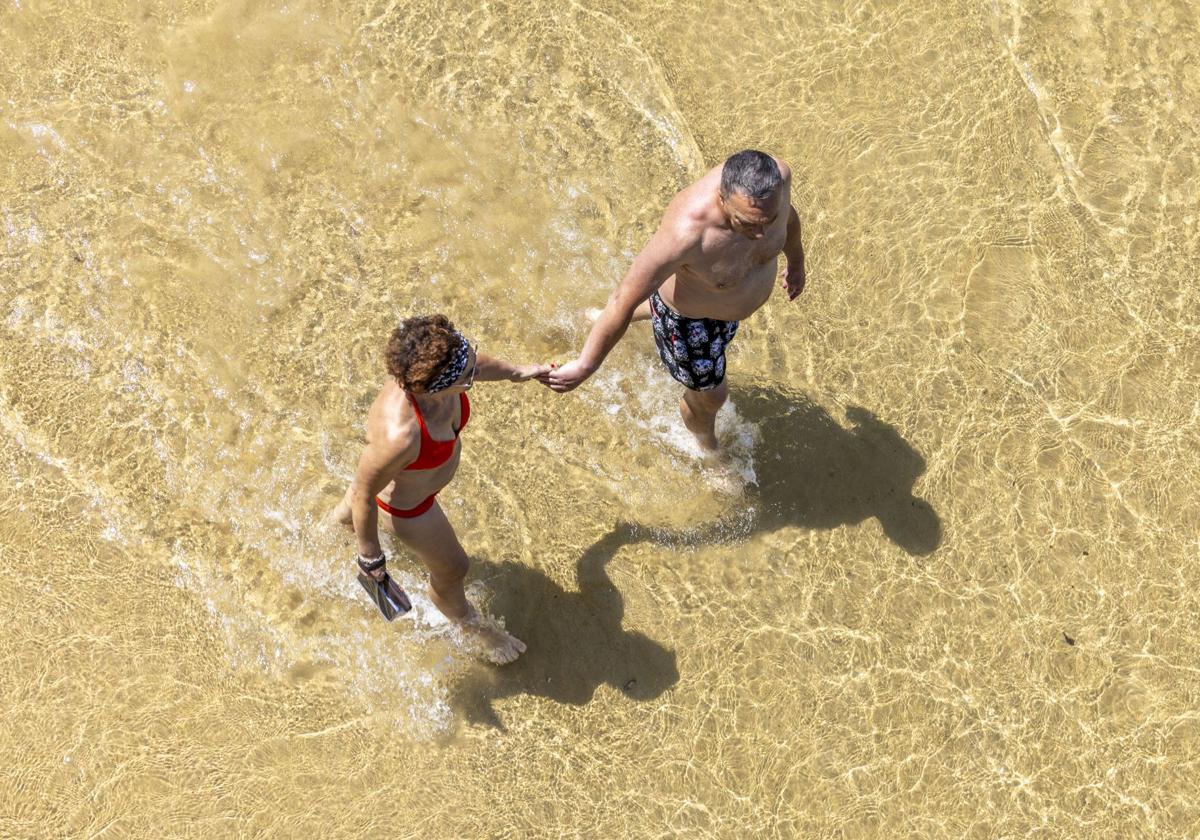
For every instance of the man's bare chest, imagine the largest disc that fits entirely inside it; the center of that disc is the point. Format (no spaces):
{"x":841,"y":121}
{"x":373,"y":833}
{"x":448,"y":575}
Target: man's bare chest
{"x":731,"y":262}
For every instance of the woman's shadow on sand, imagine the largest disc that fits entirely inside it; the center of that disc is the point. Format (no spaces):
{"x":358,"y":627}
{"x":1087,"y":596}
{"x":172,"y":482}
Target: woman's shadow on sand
{"x":811,"y":473}
{"x":575,"y":641}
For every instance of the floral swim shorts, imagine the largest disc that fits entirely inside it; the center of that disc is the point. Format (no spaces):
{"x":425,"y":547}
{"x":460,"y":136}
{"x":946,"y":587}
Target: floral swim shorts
{"x":693,"y":349}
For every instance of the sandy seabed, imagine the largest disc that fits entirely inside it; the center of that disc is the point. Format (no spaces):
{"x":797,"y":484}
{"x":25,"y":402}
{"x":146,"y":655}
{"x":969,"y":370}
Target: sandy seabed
{"x":958,"y":598}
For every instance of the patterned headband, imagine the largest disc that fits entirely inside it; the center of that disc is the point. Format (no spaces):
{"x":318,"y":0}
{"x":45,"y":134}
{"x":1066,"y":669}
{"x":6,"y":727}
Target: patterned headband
{"x":454,"y":368}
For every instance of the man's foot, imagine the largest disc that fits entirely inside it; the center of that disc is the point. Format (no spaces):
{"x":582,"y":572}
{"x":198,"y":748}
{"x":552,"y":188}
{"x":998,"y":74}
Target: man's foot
{"x":491,"y":640}
{"x":722,"y":474}
{"x":710,"y":449}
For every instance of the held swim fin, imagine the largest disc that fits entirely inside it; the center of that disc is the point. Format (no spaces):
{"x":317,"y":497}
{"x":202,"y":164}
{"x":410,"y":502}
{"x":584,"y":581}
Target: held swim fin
{"x":386,"y":594}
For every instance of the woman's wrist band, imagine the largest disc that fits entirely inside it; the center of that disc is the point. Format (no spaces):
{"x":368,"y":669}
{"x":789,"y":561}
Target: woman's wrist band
{"x":370,"y":564}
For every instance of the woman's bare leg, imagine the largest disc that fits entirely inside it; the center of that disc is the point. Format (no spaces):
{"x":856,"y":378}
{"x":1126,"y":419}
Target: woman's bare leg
{"x":431,"y":537}
{"x":341,"y":514}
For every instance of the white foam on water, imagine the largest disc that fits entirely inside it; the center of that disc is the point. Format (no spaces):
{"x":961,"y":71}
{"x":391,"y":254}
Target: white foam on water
{"x":379,"y":661}
{"x":114,"y":515}
{"x":29,"y":235}
{"x":386,"y":664}
{"x":648,"y":93}
{"x":654,"y":413}
{"x":39,"y":131}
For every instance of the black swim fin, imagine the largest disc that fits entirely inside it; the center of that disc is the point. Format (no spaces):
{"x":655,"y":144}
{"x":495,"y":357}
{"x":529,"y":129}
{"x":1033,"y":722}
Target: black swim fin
{"x":387,"y":595}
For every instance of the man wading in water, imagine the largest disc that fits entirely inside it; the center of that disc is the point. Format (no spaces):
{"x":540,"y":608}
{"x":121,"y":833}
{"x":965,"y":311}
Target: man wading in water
{"x":711,"y":263}
{"x":412,"y":452}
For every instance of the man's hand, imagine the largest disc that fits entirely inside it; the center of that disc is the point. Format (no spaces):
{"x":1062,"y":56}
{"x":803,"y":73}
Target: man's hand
{"x":568,"y":377}
{"x":523,"y":373}
{"x":793,"y":281}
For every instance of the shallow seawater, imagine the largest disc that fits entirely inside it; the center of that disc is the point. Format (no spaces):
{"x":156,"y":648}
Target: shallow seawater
{"x":955,"y":597}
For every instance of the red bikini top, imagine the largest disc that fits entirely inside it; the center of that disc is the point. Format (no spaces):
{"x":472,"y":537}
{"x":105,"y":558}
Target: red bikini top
{"x":434,"y":453}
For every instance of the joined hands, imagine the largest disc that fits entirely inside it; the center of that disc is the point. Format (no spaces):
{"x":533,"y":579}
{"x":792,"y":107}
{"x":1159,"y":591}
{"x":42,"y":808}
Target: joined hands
{"x":523,"y":373}
{"x":568,"y":377}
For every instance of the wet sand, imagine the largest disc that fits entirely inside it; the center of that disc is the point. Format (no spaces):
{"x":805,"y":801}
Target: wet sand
{"x":957,"y":597}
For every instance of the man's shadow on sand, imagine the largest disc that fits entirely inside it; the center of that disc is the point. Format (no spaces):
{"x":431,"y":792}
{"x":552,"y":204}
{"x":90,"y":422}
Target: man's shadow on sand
{"x":811,"y":473}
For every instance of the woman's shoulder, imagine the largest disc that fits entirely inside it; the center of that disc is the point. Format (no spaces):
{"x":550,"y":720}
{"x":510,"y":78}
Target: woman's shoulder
{"x":392,"y":422}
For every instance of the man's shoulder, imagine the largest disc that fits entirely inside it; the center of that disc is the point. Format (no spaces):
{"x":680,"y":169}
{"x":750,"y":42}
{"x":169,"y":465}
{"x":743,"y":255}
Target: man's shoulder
{"x":694,"y":208}
{"x":706,"y":183}
{"x":686,"y":220}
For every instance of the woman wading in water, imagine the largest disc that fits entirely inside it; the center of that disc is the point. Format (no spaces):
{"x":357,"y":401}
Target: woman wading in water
{"x":412,"y":452}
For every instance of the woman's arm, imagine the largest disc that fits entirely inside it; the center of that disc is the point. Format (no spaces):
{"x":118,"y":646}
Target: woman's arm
{"x":378,"y":465}
{"x":492,"y":369}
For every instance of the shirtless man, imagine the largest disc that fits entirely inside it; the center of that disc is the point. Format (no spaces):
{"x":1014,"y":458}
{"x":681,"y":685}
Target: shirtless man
{"x":711,"y":263}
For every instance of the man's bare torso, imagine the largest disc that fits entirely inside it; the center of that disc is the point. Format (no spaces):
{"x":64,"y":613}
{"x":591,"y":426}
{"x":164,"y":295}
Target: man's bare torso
{"x":728,"y":277}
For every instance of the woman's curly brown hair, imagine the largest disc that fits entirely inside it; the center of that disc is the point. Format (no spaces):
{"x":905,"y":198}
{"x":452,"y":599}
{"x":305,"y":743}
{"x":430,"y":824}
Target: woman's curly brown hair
{"x":419,"y":349}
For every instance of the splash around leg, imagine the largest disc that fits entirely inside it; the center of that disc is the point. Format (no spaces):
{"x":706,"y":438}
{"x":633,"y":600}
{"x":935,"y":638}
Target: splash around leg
{"x":699,"y":412}
{"x":341,"y":516}
{"x":486,"y":638}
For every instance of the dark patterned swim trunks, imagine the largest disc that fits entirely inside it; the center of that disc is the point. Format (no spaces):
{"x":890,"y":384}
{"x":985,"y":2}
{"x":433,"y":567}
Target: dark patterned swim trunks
{"x":693,"y":349}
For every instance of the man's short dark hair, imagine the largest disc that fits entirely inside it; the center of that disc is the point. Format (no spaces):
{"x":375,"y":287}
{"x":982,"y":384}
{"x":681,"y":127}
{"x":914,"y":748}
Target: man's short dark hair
{"x":752,"y":173}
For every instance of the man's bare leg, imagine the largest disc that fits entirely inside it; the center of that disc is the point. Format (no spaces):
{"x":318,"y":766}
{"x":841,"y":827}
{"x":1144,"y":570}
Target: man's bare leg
{"x":642,"y":313}
{"x":699,"y":410}
{"x":431,"y":537}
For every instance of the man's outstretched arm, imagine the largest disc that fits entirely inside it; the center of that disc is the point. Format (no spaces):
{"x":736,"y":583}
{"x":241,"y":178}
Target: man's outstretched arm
{"x":661,"y":257}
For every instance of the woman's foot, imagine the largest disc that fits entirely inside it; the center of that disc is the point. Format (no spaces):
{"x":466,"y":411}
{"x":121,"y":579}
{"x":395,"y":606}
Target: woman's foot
{"x":489,"y":639}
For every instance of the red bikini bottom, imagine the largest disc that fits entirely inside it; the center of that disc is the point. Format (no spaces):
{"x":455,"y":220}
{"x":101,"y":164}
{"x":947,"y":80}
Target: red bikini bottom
{"x":412,"y":513}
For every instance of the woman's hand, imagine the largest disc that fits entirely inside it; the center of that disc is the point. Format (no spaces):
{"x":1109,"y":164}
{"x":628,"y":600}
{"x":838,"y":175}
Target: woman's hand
{"x":523,"y":373}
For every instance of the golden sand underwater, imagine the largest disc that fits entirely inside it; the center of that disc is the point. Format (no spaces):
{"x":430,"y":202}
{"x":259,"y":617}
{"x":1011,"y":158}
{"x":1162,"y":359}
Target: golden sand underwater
{"x":958,"y":597}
